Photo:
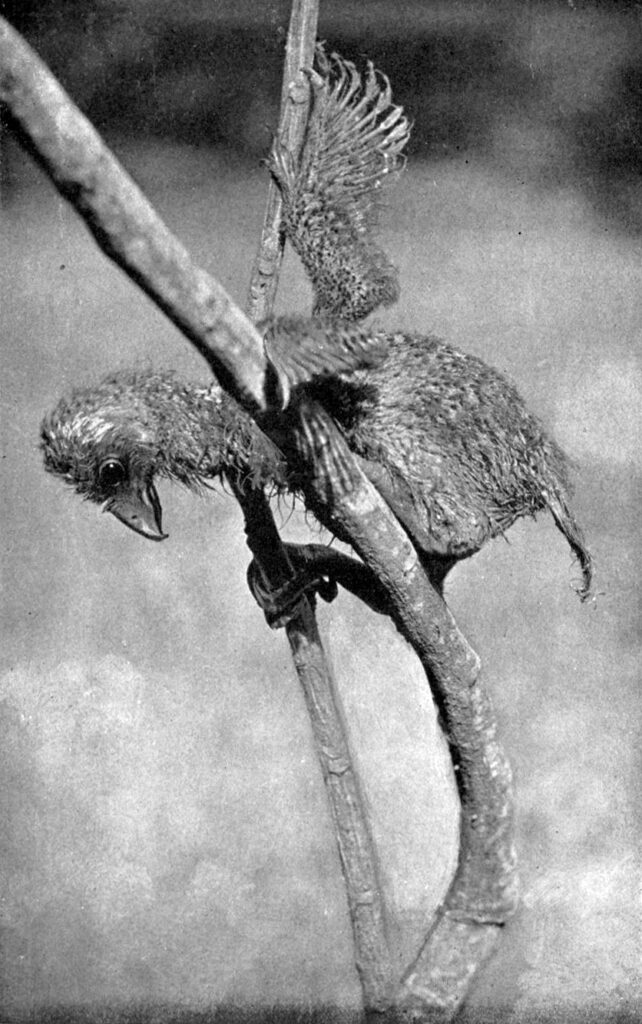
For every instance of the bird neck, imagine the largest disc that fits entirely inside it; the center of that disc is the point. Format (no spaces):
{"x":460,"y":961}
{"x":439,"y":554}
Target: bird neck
{"x":204,"y":434}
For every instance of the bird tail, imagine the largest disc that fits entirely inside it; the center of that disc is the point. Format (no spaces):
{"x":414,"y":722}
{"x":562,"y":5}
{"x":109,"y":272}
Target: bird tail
{"x":568,"y":525}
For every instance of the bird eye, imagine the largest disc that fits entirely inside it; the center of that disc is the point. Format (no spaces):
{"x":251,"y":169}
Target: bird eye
{"x":111,"y":473}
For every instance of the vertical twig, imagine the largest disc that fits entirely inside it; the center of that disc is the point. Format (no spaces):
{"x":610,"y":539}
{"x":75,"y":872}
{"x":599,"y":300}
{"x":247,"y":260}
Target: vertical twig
{"x":295,"y":103}
{"x":354,"y":839}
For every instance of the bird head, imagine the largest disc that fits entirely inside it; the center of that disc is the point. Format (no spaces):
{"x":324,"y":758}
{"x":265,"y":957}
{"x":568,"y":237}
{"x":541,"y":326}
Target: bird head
{"x":111,"y":441}
{"x":104,"y":442}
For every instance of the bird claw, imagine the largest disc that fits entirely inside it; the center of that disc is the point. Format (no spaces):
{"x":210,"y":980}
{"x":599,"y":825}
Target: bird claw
{"x":282,"y":604}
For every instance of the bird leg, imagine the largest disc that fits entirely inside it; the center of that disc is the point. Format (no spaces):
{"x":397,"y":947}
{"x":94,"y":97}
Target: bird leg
{"x":341,"y":569}
{"x":281,"y":604}
{"x":319,"y":570}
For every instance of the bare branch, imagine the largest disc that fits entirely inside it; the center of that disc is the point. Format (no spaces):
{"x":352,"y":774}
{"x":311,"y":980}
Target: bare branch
{"x":123,"y":222}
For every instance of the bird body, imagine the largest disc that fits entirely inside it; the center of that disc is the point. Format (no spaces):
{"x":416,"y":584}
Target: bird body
{"x":453,"y":448}
{"x":456,"y":440}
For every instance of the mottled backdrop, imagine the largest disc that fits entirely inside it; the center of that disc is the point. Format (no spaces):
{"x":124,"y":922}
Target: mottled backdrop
{"x":166,"y":839}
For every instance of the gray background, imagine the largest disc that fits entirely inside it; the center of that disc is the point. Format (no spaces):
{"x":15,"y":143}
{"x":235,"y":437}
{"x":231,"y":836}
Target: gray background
{"x":167,"y":839}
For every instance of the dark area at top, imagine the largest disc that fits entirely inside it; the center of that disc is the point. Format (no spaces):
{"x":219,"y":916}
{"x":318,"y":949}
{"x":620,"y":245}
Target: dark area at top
{"x":547,"y":92}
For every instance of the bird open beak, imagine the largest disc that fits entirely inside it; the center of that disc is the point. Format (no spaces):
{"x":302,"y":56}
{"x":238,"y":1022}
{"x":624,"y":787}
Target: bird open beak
{"x":139,"y":508}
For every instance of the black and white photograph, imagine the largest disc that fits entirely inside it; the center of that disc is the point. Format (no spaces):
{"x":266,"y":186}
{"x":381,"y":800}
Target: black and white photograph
{"x":320,"y":689}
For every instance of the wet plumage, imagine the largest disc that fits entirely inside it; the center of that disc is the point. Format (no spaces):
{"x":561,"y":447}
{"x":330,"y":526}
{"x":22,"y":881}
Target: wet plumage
{"x":447,"y":440}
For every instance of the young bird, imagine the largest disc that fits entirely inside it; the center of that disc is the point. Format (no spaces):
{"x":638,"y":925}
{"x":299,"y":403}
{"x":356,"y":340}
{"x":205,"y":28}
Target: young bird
{"x":447,"y":441}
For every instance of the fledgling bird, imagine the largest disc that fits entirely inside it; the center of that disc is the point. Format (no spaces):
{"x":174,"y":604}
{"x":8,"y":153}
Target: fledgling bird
{"x":446,"y":439}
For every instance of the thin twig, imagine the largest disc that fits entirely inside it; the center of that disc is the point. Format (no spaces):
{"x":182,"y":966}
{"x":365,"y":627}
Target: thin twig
{"x":354,"y":839}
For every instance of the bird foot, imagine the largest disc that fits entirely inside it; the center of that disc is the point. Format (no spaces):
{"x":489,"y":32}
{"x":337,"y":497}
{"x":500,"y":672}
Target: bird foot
{"x":282,"y":604}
